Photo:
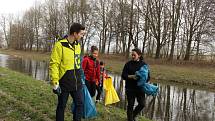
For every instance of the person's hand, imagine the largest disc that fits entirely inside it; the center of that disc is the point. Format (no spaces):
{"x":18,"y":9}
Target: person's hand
{"x":97,"y":83}
{"x":57,"y":89}
{"x":100,"y":84}
{"x":133,"y":77}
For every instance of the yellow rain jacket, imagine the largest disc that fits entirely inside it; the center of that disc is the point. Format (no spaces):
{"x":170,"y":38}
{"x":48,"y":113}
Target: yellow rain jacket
{"x":64,"y":57}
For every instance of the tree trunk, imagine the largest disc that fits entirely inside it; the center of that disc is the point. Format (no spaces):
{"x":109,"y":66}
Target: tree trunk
{"x":130,"y":30}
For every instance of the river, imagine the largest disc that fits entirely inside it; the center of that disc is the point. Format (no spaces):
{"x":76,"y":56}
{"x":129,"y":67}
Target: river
{"x":173,"y":103}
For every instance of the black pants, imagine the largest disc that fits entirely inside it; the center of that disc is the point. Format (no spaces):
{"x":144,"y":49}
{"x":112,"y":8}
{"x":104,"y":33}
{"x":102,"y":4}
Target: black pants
{"x":91,"y":88}
{"x":62,"y":100}
{"x":99,"y":89}
{"x":131,"y":96}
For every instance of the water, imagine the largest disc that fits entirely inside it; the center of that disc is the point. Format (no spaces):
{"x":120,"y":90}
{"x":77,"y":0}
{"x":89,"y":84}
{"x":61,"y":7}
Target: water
{"x":37,"y":69}
{"x":173,"y":103}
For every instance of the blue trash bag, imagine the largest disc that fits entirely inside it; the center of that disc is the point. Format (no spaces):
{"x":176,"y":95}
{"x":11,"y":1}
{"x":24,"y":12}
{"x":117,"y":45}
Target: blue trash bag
{"x":149,"y":89}
{"x":89,"y":108}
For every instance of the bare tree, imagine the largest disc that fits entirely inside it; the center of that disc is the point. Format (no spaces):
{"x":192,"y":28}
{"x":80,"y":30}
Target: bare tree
{"x":1,"y":39}
{"x":161,"y":27}
{"x":130,"y":39}
{"x":37,"y":21}
{"x":194,"y":18}
{"x":50,"y":23}
{"x":175,"y":16}
{"x":145,"y":14}
{"x":28,"y":22}
{"x":156,"y":13}
{"x":68,"y":11}
{"x":3,"y":25}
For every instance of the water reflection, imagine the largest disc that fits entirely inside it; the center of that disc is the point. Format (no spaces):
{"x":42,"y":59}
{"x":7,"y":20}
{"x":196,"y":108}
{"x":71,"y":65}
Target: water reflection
{"x":37,"y":69}
{"x":173,"y":103}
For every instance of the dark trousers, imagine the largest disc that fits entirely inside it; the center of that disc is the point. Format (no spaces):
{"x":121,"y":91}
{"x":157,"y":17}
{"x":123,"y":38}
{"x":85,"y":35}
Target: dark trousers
{"x":91,"y":88}
{"x":131,"y":96}
{"x":62,"y":100}
{"x":99,"y":89}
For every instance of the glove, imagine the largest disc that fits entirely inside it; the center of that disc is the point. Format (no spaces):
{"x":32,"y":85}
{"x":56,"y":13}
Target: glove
{"x":57,"y":89}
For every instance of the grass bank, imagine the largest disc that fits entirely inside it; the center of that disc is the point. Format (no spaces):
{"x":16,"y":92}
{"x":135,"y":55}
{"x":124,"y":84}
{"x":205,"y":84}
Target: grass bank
{"x":26,"y":99}
{"x":189,"y":73}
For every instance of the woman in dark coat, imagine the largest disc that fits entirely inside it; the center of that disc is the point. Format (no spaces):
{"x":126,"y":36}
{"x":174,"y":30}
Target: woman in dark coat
{"x":132,"y":90}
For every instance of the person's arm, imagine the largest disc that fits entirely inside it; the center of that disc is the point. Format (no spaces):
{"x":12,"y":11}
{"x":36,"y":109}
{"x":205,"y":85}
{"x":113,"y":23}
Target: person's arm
{"x":149,"y":77}
{"x":82,"y":72}
{"x":84,"y":63}
{"x":98,"y":72}
{"x":105,"y":75}
{"x":55,"y":60}
{"x":125,"y":72}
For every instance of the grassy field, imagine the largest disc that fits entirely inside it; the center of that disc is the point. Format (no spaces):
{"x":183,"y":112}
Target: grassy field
{"x":27,"y":99}
{"x":189,"y":73}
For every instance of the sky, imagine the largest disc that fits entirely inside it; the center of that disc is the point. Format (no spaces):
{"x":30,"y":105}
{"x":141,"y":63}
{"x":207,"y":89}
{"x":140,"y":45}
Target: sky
{"x":15,"y":6}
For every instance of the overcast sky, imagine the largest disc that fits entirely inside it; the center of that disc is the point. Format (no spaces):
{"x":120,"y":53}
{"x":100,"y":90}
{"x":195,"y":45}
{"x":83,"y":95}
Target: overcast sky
{"x":15,"y":6}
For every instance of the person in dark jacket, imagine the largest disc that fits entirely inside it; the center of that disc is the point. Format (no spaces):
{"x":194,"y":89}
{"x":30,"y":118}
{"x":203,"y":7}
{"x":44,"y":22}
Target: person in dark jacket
{"x":91,"y":67}
{"x":65,"y":71}
{"x":132,"y":90}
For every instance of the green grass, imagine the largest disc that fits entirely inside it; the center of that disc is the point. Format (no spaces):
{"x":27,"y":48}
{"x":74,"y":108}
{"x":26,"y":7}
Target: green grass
{"x":26,"y":99}
{"x":163,"y":73}
{"x":187,"y":75}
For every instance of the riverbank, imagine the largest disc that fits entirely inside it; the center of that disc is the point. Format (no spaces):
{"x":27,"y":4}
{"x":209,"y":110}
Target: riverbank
{"x":188,"y":73}
{"x":24,"y":98}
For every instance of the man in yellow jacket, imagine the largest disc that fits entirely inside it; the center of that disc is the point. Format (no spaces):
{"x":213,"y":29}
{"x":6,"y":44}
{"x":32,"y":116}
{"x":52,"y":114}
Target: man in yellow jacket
{"x":65,"y":71}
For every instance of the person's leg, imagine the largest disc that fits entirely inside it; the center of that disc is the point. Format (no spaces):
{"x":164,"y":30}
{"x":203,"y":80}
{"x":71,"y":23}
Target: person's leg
{"x":78,"y":101}
{"x":90,"y":88}
{"x":99,"y":91}
{"x":87,"y":85}
{"x":141,"y":103}
{"x":131,"y":100}
{"x":62,"y":100}
{"x":93,"y":89}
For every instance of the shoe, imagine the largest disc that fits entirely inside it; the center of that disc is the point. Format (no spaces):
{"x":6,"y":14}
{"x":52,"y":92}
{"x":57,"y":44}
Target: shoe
{"x":97,"y":101}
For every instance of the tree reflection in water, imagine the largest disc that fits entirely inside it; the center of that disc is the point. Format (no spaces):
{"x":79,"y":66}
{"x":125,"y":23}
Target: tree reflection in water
{"x":173,"y":103}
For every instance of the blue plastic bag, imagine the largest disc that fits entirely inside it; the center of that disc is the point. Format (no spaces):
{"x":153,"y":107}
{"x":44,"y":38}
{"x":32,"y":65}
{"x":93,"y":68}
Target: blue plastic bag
{"x":149,"y":89}
{"x":89,"y":108}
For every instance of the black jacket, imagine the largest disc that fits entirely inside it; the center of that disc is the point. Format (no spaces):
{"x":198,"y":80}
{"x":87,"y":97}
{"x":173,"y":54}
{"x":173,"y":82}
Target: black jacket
{"x":71,"y":80}
{"x":129,"y":69}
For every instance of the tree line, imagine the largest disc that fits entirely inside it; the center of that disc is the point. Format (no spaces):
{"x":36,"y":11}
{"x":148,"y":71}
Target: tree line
{"x":170,"y":29}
